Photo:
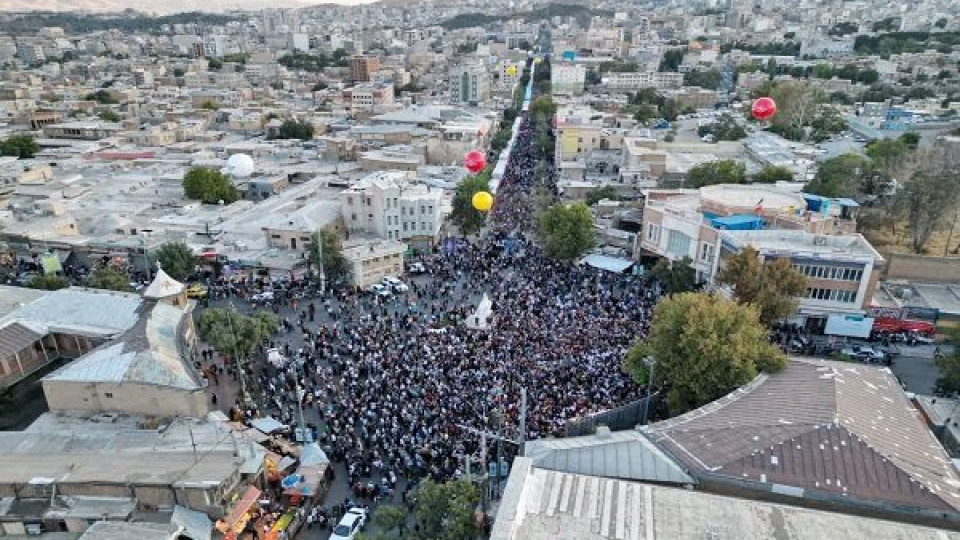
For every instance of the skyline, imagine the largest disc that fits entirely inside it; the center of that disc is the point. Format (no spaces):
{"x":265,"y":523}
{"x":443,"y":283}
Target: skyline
{"x":163,"y":8}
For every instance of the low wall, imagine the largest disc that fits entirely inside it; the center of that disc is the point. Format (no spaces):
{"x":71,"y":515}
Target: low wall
{"x":923,"y":268}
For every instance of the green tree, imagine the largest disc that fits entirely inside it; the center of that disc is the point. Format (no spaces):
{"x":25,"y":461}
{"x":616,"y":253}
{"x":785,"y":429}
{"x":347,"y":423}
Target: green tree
{"x":704,"y":347}
{"x":101,"y":96}
{"x":948,"y":383}
{"x":847,"y":175}
{"x":21,"y":146}
{"x":771,"y":174}
{"x":772,"y":287}
{"x":176,"y":259}
{"x":317,"y":86}
{"x":676,"y":276}
{"x":929,"y":197}
{"x":726,"y":128}
{"x":596,"y":195}
{"x":446,"y":511}
{"x":214,"y":65}
{"x":49,"y":282}
{"x":566,"y":230}
{"x":109,"y":116}
{"x":110,"y":279}
{"x":468,"y":219}
{"x":235,"y":334}
{"x":724,"y":171}
{"x":209,"y":186}
{"x":209,"y":106}
{"x":389,"y":517}
{"x":710,"y":78}
{"x":295,"y":129}
{"x":672,"y":59}
{"x":326,"y":249}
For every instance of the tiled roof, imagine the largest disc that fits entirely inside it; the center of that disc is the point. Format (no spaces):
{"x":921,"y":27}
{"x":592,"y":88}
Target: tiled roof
{"x":836,"y":427}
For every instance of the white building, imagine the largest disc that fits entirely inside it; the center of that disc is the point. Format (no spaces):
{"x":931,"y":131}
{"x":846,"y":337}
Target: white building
{"x":631,"y":82}
{"x":567,"y":78}
{"x":370,"y":262}
{"x":214,"y":45}
{"x":300,"y":42}
{"x":385,"y":204}
{"x":469,"y":83}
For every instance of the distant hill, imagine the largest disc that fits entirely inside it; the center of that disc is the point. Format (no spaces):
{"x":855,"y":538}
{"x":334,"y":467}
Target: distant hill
{"x":159,"y":7}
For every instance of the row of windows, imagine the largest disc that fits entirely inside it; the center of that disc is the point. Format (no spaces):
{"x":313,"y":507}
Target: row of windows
{"x":832,"y":295}
{"x":829,"y":272}
{"x":424,"y":210}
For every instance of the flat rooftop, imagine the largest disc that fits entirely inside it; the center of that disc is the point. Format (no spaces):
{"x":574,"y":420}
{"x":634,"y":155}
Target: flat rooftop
{"x":804,"y":244}
{"x":540,"y":504}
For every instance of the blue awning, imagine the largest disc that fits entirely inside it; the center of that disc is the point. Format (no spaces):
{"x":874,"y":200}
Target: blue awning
{"x":738,"y":222}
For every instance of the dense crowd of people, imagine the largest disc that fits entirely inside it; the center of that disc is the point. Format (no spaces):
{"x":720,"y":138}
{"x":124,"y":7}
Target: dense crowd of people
{"x":397,"y":384}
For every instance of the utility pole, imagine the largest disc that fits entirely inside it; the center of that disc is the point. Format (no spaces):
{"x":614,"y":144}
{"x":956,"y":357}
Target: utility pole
{"x":244,"y":395}
{"x":522,"y":438}
{"x":301,"y":393}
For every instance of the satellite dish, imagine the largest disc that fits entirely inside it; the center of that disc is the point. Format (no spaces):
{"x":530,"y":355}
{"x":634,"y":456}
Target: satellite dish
{"x":239,"y":165}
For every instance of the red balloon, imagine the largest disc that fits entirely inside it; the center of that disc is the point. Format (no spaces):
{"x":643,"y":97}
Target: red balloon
{"x":475,"y":161}
{"x":764,"y":108}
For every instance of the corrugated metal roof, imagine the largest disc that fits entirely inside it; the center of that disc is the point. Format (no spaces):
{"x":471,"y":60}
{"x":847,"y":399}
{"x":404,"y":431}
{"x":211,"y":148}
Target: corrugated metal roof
{"x":621,"y":454}
{"x":80,"y":310}
{"x":15,"y":337}
{"x":147,"y":354}
{"x":827,"y":426}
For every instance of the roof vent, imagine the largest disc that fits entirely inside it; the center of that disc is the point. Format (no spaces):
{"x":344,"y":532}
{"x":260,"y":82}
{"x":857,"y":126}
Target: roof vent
{"x":603,"y":432}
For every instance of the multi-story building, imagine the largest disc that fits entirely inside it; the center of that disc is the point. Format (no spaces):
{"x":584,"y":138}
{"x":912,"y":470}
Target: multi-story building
{"x":567,"y":78}
{"x":631,"y":82}
{"x":363,"y":67}
{"x":370,"y":262}
{"x":214,"y":45}
{"x":31,"y":53}
{"x":385,"y":204}
{"x":367,"y":97}
{"x":817,"y":234}
{"x":582,"y":140}
{"x":91,"y":131}
{"x":469,"y":83}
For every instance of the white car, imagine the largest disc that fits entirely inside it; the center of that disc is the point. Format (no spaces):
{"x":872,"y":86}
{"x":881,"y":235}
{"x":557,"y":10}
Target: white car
{"x":417,"y":268}
{"x":379,"y":290}
{"x":395,"y":285}
{"x":350,"y":524}
{"x":265,"y":296}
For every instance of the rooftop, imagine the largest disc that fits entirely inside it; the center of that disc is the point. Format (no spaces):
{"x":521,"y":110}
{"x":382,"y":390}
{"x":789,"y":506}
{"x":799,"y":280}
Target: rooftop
{"x":802,"y":243}
{"x":91,"y":312}
{"x":845,"y":430}
{"x":540,"y":504}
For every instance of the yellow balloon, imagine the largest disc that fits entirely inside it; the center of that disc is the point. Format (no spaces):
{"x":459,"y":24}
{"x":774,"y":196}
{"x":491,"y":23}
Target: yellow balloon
{"x":482,"y":201}
{"x":512,"y":70}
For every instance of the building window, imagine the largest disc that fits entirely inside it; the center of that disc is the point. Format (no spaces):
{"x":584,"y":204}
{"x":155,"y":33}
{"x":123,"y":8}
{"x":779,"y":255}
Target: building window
{"x":706,"y":252}
{"x":404,"y":226}
{"x":430,"y":209}
{"x":275,"y":236}
{"x":108,"y":394}
{"x":353,"y":217}
{"x":349,"y":200}
{"x":678,"y":243}
{"x":370,"y":217}
{"x":423,"y":225}
{"x":653,"y":232}
{"x":423,"y":209}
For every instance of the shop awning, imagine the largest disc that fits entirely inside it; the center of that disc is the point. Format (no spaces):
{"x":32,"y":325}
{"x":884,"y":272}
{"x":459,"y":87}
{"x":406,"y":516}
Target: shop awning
{"x":237,"y":518}
{"x":309,"y":485}
{"x":195,"y":524}
{"x":267,"y":424}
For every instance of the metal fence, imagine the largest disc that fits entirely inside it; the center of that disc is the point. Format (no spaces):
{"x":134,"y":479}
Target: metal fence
{"x":624,"y":417}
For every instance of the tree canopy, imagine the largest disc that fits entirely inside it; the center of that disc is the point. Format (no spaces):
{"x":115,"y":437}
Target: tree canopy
{"x":236,"y":334}
{"x":468,"y":219}
{"x":725,"y":128}
{"x":772,"y":287}
{"x":102,"y":97}
{"x":446,"y":511}
{"x":49,"y":282}
{"x":771,"y":174}
{"x":847,"y":175}
{"x":209,"y":186}
{"x":708,"y":78}
{"x":295,"y":129}
{"x":724,"y":171}
{"x":110,"y":279}
{"x":948,"y":383}
{"x":703,"y":346}
{"x":21,"y":146}
{"x":676,"y":276}
{"x":595,"y":195}
{"x":326,"y":249}
{"x":176,"y":259}
{"x":566,"y":230}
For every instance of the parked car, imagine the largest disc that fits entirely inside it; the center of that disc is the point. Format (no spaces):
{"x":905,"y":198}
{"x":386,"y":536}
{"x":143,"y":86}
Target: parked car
{"x":866,"y":354}
{"x":378,"y":289}
{"x":417,"y":268}
{"x":196,"y":291}
{"x":350,"y":524}
{"x":265,"y":296}
{"x":395,"y":285}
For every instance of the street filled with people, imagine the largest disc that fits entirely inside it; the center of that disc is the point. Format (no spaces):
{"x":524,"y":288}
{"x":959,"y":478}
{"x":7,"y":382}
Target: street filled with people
{"x":397,"y":388}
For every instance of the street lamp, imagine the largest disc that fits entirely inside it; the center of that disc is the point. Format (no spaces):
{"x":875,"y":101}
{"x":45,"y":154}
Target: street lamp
{"x":651,"y":364}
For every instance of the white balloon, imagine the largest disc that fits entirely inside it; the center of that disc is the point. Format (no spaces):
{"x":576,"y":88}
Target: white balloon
{"x":240,"y":166}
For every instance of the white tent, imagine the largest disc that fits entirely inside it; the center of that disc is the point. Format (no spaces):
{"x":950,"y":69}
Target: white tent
{"x":482,"y":317}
